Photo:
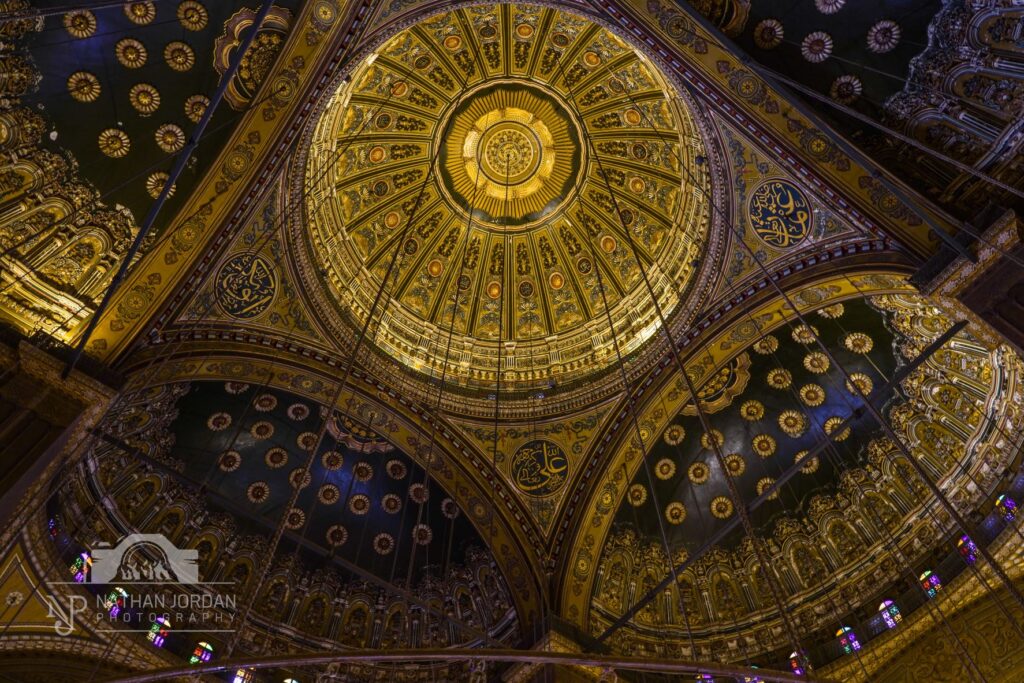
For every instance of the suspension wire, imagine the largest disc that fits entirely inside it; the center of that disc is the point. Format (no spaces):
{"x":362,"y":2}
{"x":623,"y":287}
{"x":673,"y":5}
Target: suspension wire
{"x":900,"y":79}
{"x":902,"y":137}
{"x":705,"y":423}
{"x":179,"y":166}
{"x":884,"y":532}
{"x":429,"y":459}
{"x":944,"y":501}
{"x":64,"y":9}
{"x":341,"y":386}
{"x":864,"y":160}
{"x":106,"y":195}
{"x":993,"y":419}
{"x":151,"y":366}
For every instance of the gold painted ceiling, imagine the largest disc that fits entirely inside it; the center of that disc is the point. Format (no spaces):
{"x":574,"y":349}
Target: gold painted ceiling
{"x":494,"y":154}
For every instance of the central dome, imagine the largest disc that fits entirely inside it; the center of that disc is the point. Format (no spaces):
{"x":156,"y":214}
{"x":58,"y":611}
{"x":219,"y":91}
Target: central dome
{"x":498,"y":155}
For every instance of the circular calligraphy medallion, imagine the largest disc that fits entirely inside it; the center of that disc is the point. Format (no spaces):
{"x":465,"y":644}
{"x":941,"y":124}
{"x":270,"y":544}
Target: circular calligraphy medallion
{"x":246,"y":286}
{"x":780,"y":214}
{"x":539,"y":468}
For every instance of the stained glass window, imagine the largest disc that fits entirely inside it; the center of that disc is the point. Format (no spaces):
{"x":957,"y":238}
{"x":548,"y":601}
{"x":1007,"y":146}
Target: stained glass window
{"x":847,"y":640}
{"x":1007,"y":507}
{"x":890,"y":613}
{"x":159,"y":630}
{"x":242,"y":676}
{"x":967,"y":549}
{"x":797,"y":664}
{"x":202,"y":653}
{"x":931,"y":583}
{"x":115,"y":601}
{"x":80,"y":567}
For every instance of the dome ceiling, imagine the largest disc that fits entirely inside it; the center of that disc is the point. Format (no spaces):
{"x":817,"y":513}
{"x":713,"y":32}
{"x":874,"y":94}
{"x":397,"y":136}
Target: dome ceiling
{"x":480,"y":145}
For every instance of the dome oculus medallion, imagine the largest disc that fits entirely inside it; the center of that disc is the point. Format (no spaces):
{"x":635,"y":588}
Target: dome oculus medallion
{"x":498,"y":155}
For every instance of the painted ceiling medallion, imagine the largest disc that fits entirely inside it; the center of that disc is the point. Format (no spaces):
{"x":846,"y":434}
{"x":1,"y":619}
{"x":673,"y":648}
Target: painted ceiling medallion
{"x":140,"y":13}
{"x":511,"y":143}
{"x":805,"y":334}
{"x":829,"y":6}
{"x":637,"y":495}
{"x":169,"y":138}
{"x":130,"y":53}
{"x":846,"y":89}
{"x":258,"y":492}
{"x":858,"y":342}
{"x":675,"y":512}
{"x":422,"y":534}
{"x":179,"y":55}
{"x":816,"y":47}
{"x":114,"y":142}
{"x":698,"y":473}
{"x":859,"y":383}
{"x":884,"y":36}
{"x":812,"y":395}
{"x":665,"y":469}
{"x":768,"y":34}
{"x":192,"y":15}
{"x":779,"y":378}
{"x":811,"y":464}
{"x":816,"y":362}
{"x":752,"y":410}
{"x":383,"y":544}
{"x":833,"y":312}
{"x":155,"y":184}
{"x":80,"y":24}
{"x":721,"y":507}
{"x":735,"y":464}
{"x":793,"y":423}
{"x":764,"y":445}
{"x":84,"y":86}
{"x":337,"y":535}
{"x":766,"y":345}
{"x":833,"y":424}
{"x":145,"y":98}
{"x":299,"y":478}
{"x":195,"y":107}
{"x":332,"y":460}
{"x":674,"y":435}
{"x":763,"y":484}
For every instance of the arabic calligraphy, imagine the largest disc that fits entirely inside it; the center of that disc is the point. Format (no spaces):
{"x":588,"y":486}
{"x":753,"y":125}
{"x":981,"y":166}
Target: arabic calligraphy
{"x":539,"y":468}
{"x":246,"y":286}
{"x":780,"y":214}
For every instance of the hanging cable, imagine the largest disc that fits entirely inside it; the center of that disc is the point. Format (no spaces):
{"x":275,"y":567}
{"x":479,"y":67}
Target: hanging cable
{"x":705,"y":423}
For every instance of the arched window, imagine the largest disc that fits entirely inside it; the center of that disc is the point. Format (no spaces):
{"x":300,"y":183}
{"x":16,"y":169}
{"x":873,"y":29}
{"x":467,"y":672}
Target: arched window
{"x":202,"y":653}
{"x":930,"y":583}
{"x":158,"y":631}
{"x":1007,"y":507}
{"x":890,"y":613}
{"x":967,"y":549}
{"x":115,"y":601}
{"x":847,"y":640}
{"x":80,"y":567}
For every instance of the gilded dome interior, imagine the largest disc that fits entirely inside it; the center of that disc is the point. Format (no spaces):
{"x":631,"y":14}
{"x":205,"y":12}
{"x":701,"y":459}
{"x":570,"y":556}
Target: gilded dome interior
{"x":496,"y":153}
